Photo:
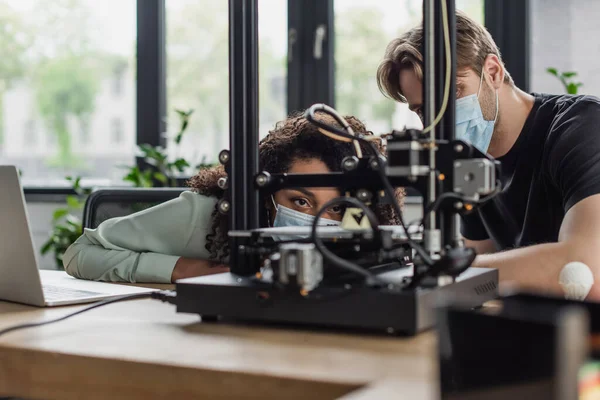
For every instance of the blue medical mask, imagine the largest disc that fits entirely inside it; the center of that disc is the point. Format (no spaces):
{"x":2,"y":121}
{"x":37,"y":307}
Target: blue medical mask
{"x":287,"y":217}
{"x":470,"y":124}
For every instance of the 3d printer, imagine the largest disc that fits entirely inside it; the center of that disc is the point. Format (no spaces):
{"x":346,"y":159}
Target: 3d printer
{"x":351,"y":278}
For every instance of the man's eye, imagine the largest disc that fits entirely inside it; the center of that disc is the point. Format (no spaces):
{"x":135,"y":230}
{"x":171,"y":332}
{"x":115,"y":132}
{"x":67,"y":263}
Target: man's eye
{"x":301,"y":202}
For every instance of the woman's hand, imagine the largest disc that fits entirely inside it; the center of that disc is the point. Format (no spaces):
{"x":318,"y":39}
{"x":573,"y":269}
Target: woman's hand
{"x":189,"y":267}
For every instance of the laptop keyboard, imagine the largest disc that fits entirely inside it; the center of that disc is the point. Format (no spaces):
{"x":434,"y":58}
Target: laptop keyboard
{"x":56,"y":293}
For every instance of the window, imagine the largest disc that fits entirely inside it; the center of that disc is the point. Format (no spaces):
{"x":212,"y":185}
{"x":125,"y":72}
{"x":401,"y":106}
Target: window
{"x":57,"y":65}
{"x":84,"y":131}
{"x":272,"y":74}
{"x":29,"y":134}
{"x":198,"y":78}
{"x":119,"y":71}
{"x":563,"y":36}
{"x":362,"y":31}
{"x":116,"y":129}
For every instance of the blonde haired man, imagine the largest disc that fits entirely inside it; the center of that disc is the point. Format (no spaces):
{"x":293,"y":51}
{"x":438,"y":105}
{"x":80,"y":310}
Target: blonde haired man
{"x":548,"y":213}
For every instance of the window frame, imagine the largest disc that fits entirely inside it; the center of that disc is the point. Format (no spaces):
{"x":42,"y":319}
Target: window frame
{"x":508,"y":23}
{"x":310,"y":79}
{"x":151,"y":72}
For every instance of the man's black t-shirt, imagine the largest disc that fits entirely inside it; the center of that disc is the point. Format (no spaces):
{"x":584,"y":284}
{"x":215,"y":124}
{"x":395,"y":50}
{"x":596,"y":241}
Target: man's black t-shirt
{"x":554,"y":164}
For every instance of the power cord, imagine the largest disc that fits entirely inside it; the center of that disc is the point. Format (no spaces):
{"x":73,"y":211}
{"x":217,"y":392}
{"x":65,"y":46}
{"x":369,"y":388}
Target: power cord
{"x":165,"y":296}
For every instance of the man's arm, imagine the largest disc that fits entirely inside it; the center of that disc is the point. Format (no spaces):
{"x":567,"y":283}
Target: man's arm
{"x":538,"y":267}
{"x":481,"y":246}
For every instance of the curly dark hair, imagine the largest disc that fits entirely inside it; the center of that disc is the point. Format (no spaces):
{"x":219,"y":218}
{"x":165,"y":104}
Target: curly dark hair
{"x":293,"y":139}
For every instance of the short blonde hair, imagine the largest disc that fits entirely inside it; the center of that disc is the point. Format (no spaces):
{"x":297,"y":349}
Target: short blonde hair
{"x":473,"y":44}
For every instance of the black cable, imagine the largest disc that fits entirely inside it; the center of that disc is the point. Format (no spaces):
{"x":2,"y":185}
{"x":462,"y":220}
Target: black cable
{"x":163,"y":295}
{"x":435,"y":205}
{"x":332,"y":257}
{"x":389,"y":190}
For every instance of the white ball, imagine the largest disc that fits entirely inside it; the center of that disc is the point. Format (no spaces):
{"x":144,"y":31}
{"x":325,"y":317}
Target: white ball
{"x":576,"y":279}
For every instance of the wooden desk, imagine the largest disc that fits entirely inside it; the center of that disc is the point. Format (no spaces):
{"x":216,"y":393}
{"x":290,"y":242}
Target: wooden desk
{"x":142,"y":349}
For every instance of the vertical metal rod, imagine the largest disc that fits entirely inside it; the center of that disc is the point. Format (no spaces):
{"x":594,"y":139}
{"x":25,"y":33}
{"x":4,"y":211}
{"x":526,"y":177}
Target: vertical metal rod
{"x":447,"y":126}
{"x":243,"y":121}
{"x":434,"y":81}
{"x":430,"y":67}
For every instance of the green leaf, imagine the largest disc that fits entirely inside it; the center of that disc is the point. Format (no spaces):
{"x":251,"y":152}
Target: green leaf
{"x":181,"y":164}
{"x":180,"y":135}
{"x":73,"y":202}
{"x":72,"y":219}
{"x":71,"y":228}
{"x":569,"y":74}
{"x":77,"y":183}
{"x":552,"y":71}
{"x":147,"y":151}
{"x":74,"y":229}
{"x":134,"y":176}
{"x":147,"y":178}
{"x":572,"y":88}
{"x":151,"y":152}
{"x":140,"y":179}
{"x":59,"y":213}
{"x":145,"y":147}
{"x":160,"y":177}
{"x":185,"y":114}
{"x":47,"y":246}
{"x":185,"y":120}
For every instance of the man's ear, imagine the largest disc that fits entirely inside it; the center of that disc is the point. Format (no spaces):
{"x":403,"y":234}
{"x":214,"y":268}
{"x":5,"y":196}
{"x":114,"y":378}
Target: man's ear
{"x":494,"y":71}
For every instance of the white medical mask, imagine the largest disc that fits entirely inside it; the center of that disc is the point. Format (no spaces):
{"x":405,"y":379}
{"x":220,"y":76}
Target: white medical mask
{"x":287,"y":217}
{"x":470,"y":124}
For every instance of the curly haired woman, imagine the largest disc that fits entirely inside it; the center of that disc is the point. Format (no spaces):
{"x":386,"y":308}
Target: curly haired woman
{"x":187,"y":236}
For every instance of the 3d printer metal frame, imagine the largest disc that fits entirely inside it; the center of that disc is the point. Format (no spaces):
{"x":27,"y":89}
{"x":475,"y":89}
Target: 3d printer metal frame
{"x":360,"y":178}
{"x":239,"y":295}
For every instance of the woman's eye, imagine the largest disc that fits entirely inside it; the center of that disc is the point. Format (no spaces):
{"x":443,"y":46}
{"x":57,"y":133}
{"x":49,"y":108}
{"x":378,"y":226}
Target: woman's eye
{"x":301,"y":202}
{"x":336,"y":210}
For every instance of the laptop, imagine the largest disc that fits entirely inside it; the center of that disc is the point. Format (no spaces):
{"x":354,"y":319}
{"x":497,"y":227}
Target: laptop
{"x":21,"y":281}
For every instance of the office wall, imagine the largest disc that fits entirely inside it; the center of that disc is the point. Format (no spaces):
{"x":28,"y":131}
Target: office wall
{"x":564,"y":36}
